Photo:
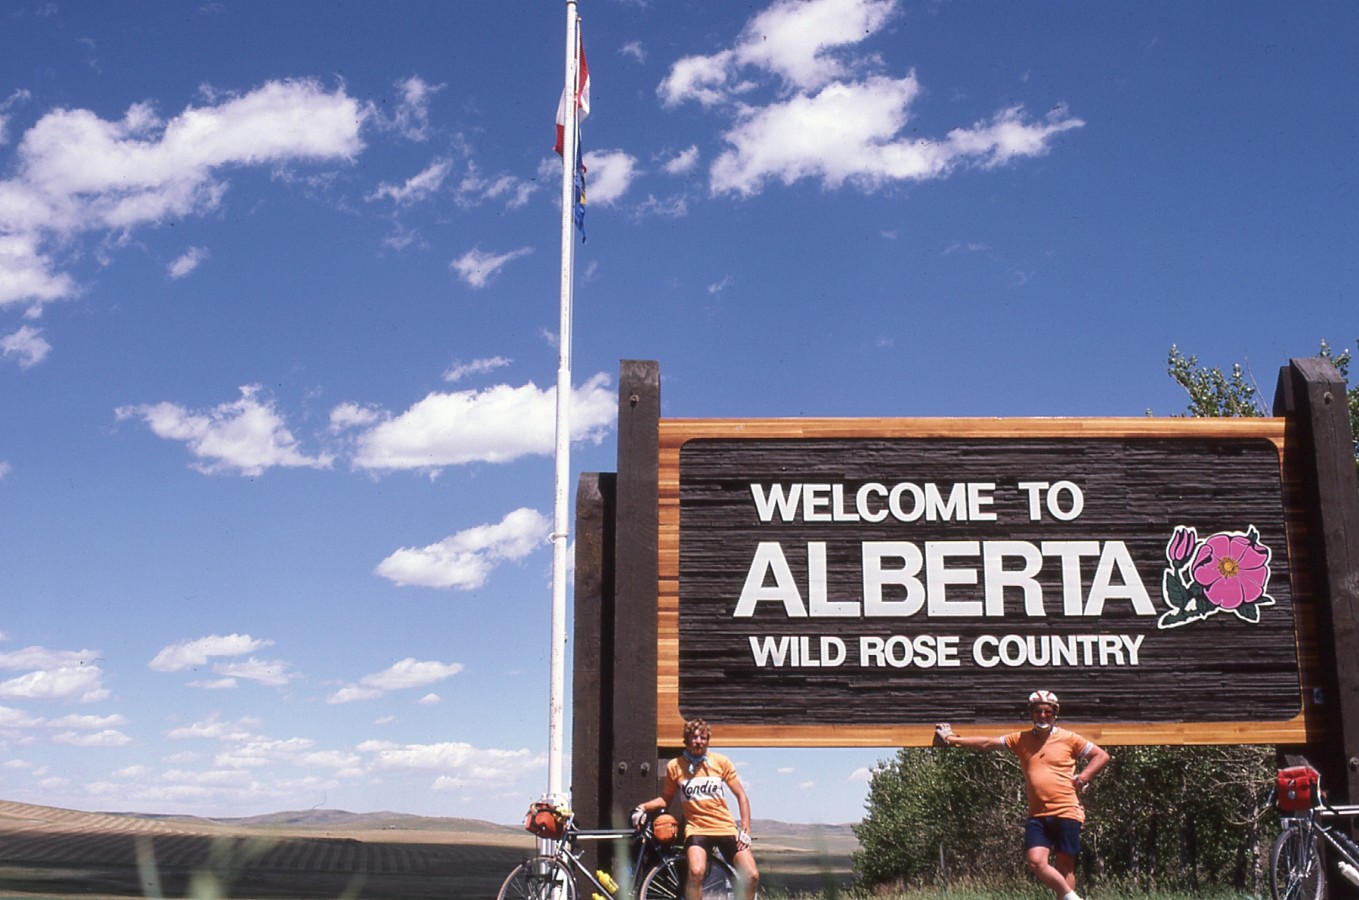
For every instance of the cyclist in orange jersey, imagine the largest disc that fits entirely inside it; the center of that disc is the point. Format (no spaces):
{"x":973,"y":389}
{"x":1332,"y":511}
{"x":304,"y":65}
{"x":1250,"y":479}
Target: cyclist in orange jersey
{"x":699,"y":777}
{"x":1048,"y":756}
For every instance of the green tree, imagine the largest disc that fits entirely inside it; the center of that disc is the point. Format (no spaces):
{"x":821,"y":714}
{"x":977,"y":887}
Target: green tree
{"x":1213,"y":392}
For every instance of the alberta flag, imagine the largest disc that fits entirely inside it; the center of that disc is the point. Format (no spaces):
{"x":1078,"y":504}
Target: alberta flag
{"x":582,"y":109}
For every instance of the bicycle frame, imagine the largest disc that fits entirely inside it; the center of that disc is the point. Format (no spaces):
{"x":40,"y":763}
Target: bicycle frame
{"x":1297,"y":867}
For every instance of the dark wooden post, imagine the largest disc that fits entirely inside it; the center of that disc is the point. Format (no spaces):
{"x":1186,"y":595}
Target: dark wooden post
{"x":592,"y":648}
{"x":1311,"y":394}
{"x":632,"y":742}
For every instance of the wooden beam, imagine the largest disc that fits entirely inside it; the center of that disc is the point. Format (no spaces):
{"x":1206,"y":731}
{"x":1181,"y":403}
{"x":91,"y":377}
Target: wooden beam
{"x":632,"y":756}
{"x":1312,"y":395}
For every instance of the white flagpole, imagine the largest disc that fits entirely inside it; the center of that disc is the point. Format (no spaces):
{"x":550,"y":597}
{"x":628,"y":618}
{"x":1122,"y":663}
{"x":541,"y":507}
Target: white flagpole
{"x":560,"y":525}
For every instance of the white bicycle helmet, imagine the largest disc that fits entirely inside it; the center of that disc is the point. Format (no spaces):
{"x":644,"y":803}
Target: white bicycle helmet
{"x":1047,"y":697}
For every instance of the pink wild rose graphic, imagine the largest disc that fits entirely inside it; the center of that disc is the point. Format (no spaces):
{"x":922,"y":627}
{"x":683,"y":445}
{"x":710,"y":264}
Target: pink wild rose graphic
{"x":1227,"y":571}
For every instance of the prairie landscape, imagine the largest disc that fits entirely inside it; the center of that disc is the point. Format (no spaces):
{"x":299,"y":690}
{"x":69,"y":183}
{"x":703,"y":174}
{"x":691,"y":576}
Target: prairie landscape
{"x":49,"y":852}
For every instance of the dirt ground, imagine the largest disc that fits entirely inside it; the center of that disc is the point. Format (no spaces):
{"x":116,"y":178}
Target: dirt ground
{"x":46,"y":852}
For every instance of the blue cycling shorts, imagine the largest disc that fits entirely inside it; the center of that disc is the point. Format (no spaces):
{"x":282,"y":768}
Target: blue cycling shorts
{"x":1062,"y":835}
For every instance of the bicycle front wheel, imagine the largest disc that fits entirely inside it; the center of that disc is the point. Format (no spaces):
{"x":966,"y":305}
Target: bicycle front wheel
{"x":666,"y":881}
{"x":539,"y":878}
{"x":1296,"y":868}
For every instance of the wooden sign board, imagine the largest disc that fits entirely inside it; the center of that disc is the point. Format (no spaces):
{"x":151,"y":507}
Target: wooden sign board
{"x":851,"y":582}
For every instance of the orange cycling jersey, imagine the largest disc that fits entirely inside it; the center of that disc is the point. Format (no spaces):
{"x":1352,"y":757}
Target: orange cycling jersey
{"x":702,"y":797}
{"x":1048,"y":766}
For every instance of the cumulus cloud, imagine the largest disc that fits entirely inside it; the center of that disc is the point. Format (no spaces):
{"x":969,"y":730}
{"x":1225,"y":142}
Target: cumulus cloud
{"x":460,"y":764}
{"x":245,"y":437}
{"x":834,"y":116}
{"x":683,"y":162}
{"x":195,"y":653}
{"x":79,"y":173}
{"x":27,"y":346}
{"x":477,"y":267}
{"x":465,"y":560}
{"x":79,"y":684}
{"x":407,"y":673}
{"x":498,"y":424}
{"x":611,"y":173}
{"x":107,"y":738}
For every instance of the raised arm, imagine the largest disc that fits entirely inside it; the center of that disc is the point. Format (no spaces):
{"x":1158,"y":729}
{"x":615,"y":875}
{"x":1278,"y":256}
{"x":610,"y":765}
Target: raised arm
{"x":944,"y":733}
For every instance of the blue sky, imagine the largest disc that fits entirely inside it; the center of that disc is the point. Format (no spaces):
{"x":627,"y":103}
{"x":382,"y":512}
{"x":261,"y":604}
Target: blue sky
{"x":278,"y":316}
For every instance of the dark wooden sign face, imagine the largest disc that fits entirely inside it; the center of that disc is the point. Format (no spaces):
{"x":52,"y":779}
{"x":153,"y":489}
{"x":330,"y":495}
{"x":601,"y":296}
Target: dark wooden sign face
{"x":886,"y":582}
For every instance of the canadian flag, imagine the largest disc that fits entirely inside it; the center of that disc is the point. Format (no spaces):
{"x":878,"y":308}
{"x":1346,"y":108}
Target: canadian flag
{"x":582,"y":99}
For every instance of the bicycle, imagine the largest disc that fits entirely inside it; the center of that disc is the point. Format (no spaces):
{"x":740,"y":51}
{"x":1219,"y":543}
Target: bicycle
{"x":1297,"y":861}
{"x":657,"y":869}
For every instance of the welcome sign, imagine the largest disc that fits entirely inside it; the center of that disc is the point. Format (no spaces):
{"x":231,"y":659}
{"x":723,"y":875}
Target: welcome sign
{"x":856,"y":581}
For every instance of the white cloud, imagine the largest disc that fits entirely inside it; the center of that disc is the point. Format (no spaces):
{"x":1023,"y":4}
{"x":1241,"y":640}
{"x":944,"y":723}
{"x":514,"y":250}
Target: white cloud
{"x":498,"y":424}
{"x":191,"y":654}
{"x":683,"y":162}
{"x":26,"y":345}
{"x":352,"y":415}
{"x":411,"y":118}
{"x":633,"y":50}
{"x":611,"y":173}
{"x":89,"y":723}
{"x":213,"y":727}
{"x":79,"y":683}
{"x":430,"y":700}
{"x":17,"y":718}
{"x":43,"y":658}
{"x":833,"y":118}
{"x":108,"y":738}
{"x":407,"y":673}
{"x":187,"y":262}
{"x":478,"y":268}
{"x":461,"y":764}
{"x":273,"y":673}
{"x":465,"y":560}
{"x":459,"y":371}
{"x":475,"y":189}
{"x":416,"y":188}
{"x":76,"y":173}
{"x":245,"y":437}
{"x":5,"y":469}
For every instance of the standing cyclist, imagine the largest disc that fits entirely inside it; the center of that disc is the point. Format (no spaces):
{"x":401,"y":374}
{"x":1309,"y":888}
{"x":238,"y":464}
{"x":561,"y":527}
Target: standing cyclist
{"x":1048,"y":756}
{"x":699,"y":776}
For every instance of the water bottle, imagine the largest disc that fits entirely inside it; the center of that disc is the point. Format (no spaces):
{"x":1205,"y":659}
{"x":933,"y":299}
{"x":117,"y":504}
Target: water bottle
{"x":1349,"y":871}
{"x":607,"y":880}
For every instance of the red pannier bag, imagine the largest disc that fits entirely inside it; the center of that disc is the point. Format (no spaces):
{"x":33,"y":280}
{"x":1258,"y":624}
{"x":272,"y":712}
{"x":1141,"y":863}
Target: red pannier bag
{"x":546,"y":820}
{"x":1296,"y":788}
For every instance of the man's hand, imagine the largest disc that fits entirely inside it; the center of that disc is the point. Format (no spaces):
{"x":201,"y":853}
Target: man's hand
{"x":638,"y":818}
{"x":941,"y":734}
{"x":1079,"y":783}
{"x":742,"y":839}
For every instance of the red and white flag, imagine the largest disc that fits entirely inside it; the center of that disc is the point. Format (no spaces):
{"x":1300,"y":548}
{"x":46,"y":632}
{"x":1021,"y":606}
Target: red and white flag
{"x":582,"y":99}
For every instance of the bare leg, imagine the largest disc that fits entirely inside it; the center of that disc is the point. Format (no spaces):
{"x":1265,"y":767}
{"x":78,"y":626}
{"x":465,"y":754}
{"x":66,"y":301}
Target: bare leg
{"x":747,"y":875}
{"x":1053,"y":878}
{"x":697,"y":857}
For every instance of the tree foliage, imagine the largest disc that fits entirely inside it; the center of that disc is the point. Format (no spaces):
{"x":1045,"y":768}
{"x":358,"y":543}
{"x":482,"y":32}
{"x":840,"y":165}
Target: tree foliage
{"x":1158,"y":817}
{"x":1213,"y":392}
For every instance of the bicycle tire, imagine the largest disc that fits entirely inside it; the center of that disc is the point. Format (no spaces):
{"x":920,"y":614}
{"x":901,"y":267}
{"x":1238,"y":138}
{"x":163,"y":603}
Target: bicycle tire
{"x":539,"y":878}
{"x":665,"y":880}
{"x":1297,"y":868}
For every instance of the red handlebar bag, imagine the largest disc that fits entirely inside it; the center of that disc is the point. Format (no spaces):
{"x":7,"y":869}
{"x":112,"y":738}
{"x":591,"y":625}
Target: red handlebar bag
{"x":1297,"y":788}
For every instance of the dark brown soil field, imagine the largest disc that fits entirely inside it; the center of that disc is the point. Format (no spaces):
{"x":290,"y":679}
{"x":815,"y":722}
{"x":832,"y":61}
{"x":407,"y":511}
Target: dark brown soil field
{"x":46,"y":852}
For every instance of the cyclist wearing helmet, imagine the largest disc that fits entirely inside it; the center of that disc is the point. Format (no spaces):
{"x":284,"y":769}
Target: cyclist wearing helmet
{"x":699,"y":777}
{"x":1048,"y":756}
